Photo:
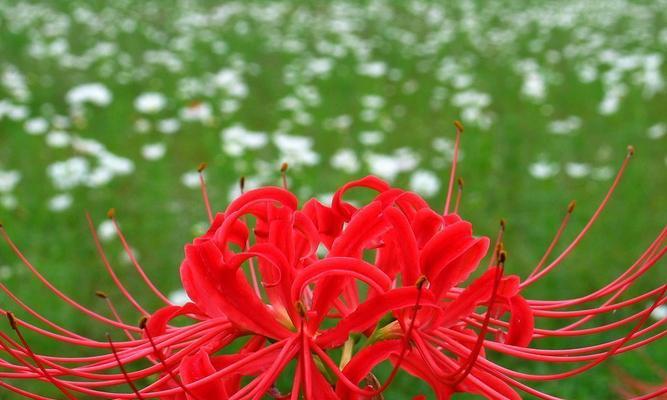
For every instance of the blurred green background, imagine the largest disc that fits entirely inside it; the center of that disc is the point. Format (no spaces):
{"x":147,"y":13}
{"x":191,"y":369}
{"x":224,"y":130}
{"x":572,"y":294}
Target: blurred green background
{"x":114,"y":104}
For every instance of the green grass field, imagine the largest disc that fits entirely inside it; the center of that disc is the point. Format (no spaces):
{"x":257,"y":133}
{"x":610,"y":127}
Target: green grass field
{"x":550,"y":94}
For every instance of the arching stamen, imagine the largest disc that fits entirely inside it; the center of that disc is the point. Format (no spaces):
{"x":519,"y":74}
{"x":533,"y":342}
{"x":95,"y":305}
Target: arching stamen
{"x":204,"y":192}
{"x":52,"y":288}
{"x":283,"y":174}
{"x":474,"y":354}
{"x":561,"y":229}
{"x":39,"y":316}
{"x":452,"y":173}
{"x":645,"y":262}
{"x":44,"y":372}
{"x":111,"y":214}
{"x":459,"y":193}
{"x":594,"y":217}
{"x":158,"y":354}
{"x":498,"y":245}
{"x":122,"y":368}
{"x":110,"y":271}
{"x":114,"y":311}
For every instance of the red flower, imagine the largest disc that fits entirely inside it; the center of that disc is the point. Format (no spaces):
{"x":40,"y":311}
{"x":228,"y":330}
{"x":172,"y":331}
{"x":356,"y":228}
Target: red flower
{"x":385,"y":281}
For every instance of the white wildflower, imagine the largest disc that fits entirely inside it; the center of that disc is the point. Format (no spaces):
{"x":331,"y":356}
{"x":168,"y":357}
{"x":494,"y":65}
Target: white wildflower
{"x":94,"y":93}
{"x":60,"y":202}
{"x":345,"y":160}
{"x":153,"y":151}
{"x":36,"y":126}
{"x":150,"y":102}
{"x":8,"y":180}
{"x":543,"y":169}
{"x":424,"y":182}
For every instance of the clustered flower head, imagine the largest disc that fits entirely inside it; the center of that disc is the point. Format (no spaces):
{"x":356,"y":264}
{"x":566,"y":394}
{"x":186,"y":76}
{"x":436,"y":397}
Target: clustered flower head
{"x":319,"y":295}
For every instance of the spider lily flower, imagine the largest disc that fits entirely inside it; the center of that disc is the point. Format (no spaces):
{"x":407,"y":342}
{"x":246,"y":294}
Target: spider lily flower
{"x":397,"y":283}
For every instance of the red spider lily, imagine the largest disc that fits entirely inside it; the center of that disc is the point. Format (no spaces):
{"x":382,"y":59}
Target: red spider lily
{"x":291,"y":287}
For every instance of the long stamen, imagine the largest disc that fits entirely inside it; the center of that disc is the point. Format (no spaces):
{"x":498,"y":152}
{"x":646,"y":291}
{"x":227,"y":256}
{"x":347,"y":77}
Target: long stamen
{"x":54,"y":381}
{"x":122,"y":368}
{"x":452,"y":173}
{"x":40,"y":317}
{"x":645,"y":262}
{"x":594,"y":217}
{"x":561,"y":229}
{"x":204,"y":192}
{"x":283,"y":174}
{"x":52,"y":288}
{"x":114,"y":312}
{"x":111,"y":214}
{"x":110,"y":271}
{"x":465,"y":370}
{"x":159,"y":356}
{"x":459,"y":193}
{"x":498,"y":245}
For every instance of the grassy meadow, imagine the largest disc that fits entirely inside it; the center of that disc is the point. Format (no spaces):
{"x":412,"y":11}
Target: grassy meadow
{"x":114,"y":104}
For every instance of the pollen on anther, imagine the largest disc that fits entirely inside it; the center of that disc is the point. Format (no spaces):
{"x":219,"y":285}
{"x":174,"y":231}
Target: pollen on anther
{"x":202,"y":166}
{"x":459,"y":126}
{"x":502,"y":256}
{"x":111,"y":214}
{"x":101,"y":294}
{"x":300,"y":308}
{"x":423,"y":280}
{"x":11,"y":319}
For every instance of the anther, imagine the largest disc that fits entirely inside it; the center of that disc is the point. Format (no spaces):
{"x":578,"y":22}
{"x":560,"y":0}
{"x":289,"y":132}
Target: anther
{"x":122,"y":368}
{"x":631,"y":150}
{"x":300,"y":308}
{"x":283,"y":174}
{"x":459,"y":126}
{"x":143,"y":322}
{"x":11,"y":319}
{"x":421,"y":281}
{"x":242,"y":183}
{"x":570,"y":207}
{"x":111,"y":214}
{"x":101,"y":295}
{"x":503,"y":224}
{"x":460,"y":183}
{"x":202,"y":166}
{"x":502,"y":256}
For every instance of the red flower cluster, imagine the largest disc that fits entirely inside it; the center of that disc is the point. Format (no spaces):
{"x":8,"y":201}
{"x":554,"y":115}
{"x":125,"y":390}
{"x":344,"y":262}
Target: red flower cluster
{"x":328,"y":293}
